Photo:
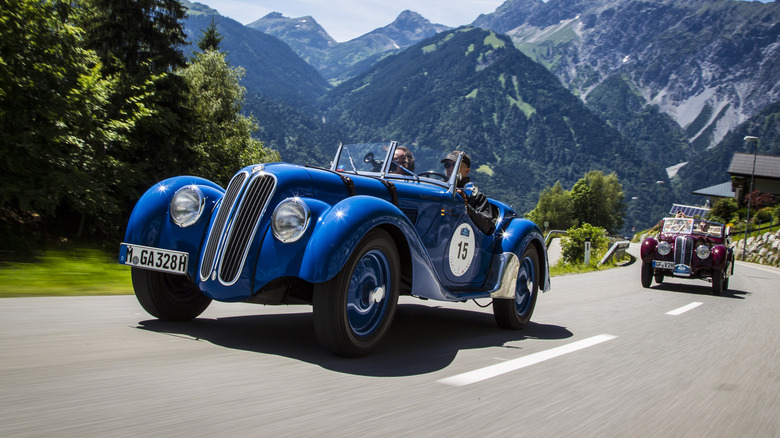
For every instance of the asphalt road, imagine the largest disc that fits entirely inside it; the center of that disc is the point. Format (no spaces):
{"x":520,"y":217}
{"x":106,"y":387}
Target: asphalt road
{"x":602,"y":358}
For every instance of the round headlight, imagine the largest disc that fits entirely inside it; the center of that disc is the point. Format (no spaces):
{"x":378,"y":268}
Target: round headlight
{"x":290,"y":220}
{"x":187,"y":206}
{"x":663,"y":248}
{"x":703,"y":251}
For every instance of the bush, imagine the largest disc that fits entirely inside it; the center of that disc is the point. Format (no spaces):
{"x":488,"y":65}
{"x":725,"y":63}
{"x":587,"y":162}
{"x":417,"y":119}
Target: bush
{"x":764,"y":215}
{"x":724,"y":210}
{"x":573,"y":245}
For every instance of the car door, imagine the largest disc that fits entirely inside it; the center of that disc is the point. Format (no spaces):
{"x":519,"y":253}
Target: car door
{"x":460,"y":252}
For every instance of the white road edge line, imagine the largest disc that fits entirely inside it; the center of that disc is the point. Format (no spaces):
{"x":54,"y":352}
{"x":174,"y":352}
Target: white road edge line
{"x":684,"y":309}
{"x":515,"y":364}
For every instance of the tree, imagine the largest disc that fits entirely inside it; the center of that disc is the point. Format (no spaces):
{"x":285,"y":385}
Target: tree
{"x":210,"y":38}
{"x":597,"y":199}
{"x":554,"y":208}
{"x":222,"y":136}
{"x":53,"y":110}
{"x":724,"y":210}
{"x":139,"y":43}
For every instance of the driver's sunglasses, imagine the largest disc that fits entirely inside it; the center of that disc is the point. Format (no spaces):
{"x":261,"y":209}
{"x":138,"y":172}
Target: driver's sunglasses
{"x":449,"y":164}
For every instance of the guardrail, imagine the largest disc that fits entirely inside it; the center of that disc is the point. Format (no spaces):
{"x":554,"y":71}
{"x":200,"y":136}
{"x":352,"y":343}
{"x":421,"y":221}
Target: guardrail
{"x":618,"y":249}
{"x":547,"y":239}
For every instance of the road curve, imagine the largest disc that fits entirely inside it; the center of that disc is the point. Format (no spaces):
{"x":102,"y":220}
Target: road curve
{"x":602,"y":357}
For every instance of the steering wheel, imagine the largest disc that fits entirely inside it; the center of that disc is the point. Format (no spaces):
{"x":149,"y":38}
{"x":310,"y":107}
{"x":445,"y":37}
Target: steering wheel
{"x":430,"y":173}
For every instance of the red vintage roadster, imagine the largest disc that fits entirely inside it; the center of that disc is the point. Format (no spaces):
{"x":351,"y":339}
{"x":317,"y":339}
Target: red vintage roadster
{"x":689,"y":248}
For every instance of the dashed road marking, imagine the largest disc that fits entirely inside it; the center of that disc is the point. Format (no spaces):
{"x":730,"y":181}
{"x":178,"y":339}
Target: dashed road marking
{"x":515,"y":364}
{"x":684,"y":309}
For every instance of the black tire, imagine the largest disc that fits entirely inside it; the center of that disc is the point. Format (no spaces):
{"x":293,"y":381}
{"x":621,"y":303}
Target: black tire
{"x":168,"y":297}
{"x":647,"y":274}
{"x":719,"y":282}
{"x":659,"y":277}
{"x":514,"y":314}
{"x":353,"y":311}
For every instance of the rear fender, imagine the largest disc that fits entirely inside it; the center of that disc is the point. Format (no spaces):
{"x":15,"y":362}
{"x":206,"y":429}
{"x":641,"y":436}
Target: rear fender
{"x":516,"y":237}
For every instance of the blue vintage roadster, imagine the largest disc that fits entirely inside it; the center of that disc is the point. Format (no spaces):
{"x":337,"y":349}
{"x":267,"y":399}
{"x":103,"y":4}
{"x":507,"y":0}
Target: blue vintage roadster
{"x":348,"y":239}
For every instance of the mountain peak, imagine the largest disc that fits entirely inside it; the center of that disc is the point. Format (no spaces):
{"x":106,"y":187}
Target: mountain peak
{"x":296,"y":32}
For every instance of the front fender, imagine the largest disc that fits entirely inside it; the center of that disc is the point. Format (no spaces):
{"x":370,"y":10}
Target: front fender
{"x":339,"y":230}
{"x":647,"y":250}
{"x":150,"y":223}
{"x":516,"y":237}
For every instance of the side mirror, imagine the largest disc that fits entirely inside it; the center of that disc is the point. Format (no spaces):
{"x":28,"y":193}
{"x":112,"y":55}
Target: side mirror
{"x":369,"y":158}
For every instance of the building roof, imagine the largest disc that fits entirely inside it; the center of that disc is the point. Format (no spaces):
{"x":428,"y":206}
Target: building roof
{"x":689,"y":210}
{"x":767,"y":166}
{"x":718,"y":190}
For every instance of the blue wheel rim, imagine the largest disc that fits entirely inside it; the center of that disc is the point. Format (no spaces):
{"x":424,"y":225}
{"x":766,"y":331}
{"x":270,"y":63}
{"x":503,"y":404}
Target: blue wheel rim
{"x":526,"y":280}
{"x":367,"y":293}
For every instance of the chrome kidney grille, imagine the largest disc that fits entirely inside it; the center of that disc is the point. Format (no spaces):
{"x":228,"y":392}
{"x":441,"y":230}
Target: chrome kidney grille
{"x":236,"y":221}
{"x":683,"y":250}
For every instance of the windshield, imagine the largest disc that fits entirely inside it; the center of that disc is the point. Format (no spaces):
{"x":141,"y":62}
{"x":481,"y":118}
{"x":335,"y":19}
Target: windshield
{"x":678,"y":225}
{"x":708,"y":228}
{"x":406,"y":162}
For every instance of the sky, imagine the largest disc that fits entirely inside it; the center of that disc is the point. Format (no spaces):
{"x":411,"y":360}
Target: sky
{"x":348,"y":19}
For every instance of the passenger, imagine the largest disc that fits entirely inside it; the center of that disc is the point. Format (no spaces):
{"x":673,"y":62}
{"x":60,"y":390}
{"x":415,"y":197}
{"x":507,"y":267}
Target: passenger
{"x":402,"y":157}
{"x":477,"y":205}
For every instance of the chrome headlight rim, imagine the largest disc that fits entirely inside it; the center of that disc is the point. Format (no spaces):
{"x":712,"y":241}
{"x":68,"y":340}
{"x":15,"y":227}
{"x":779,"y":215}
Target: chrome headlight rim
{"x":187,"y":206}
{"x":663,"y":248}
{"x":287,"y":231}
{"x":703,"y":251}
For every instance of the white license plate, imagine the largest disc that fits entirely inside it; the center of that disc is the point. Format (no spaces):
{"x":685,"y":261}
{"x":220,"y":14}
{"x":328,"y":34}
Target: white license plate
{"x":663,"y":265}
{"x":157,"y":259}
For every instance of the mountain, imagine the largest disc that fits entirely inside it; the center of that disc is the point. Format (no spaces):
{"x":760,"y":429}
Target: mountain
{"x":272,"y":69}
{"x":303,"y":34}
{"x":708,"y":64}
{"x":712,"y":167}
{"x":340,"y":61}
{"x":471,"y":89}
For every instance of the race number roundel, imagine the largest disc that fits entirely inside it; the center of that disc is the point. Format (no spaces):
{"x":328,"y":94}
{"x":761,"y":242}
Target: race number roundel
{"x":462,"y":249}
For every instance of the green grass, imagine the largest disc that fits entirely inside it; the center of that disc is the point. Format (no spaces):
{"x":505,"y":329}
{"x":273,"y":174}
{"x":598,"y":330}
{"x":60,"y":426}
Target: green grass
{"x":581,"y":268}
{"x":85,"y":271}
{"x":66,"y":272}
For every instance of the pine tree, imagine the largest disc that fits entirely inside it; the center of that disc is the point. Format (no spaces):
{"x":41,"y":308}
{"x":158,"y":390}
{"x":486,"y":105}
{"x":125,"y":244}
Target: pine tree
{"x":210,"y":38}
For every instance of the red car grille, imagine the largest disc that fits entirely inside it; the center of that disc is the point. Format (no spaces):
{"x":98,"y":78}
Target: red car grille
{"x":683,"y":250}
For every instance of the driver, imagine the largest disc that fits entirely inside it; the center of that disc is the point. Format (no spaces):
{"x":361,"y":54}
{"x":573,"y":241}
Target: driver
{"x":477,"y":205}
{"x":402,"y":157}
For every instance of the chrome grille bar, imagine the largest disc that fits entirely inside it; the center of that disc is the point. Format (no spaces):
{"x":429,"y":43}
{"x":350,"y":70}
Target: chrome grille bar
{"x":244,"y":224}
{"x":220,"y":224}
{"x":683,"y":250}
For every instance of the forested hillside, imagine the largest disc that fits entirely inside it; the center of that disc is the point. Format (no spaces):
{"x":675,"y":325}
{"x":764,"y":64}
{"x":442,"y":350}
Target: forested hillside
{"x":272,"y":69}
{"x":708,"y":64}
{"x":101,"y":99}
{"x":471,"y":89}
{"x":98,"y":103}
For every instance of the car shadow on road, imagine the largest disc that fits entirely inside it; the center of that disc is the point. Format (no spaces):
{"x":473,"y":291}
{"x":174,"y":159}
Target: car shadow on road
{"x":698,"y":289}
{"x":422,"y":339}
